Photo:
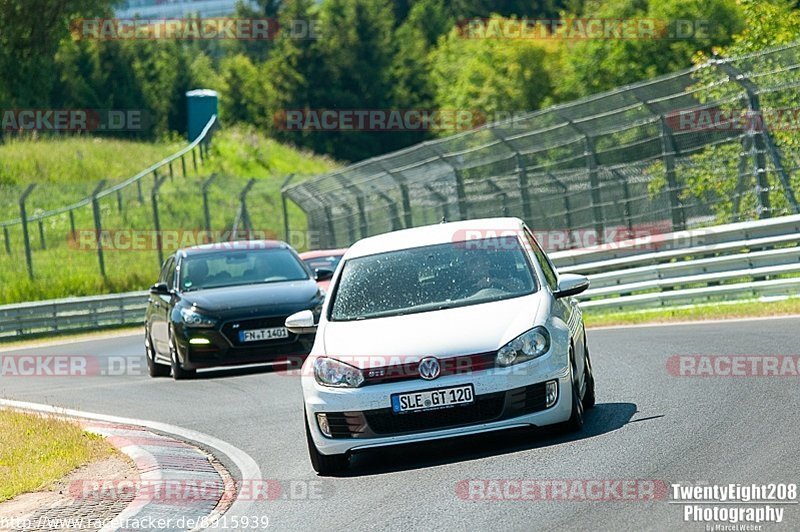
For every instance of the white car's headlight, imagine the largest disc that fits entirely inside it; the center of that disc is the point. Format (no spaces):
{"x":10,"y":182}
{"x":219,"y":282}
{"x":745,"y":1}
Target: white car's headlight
{"x":331,"y":372}
{"x":526,"y":346}
{"x":192,"y":318}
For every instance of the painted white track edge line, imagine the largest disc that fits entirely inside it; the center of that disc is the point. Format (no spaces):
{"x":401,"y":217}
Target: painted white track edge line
{"x":246,"y":465}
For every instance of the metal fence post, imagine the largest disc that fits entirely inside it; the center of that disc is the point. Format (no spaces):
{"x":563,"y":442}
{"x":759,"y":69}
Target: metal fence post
{"x":594,"y":183}
{"x":183,"y":165}
{"x":763,"y":141}
{"x":139,"y":191}
{"x":119,"y":201}
{"x":405,"y":197}
{"x":156,"y":220}
{"x":25,"y":237}
{"x":362,"y":216}
{"x":626,"y":206}
{"x":442,"y":202}
{"x":522,"y":177}
{"x":98,"y":226}
{"x":500,"y":194}
{"x":194,"y":160}
{"x":7,"y":240}
{"x":351,"y":229}
{"x":331,"y":240}
{"x":72,"y":223}
{"x":567,"y":205}
{"x":206,"y":212}
{"x":285,"y":206}
{"x":394,"y":215}
{"x":244,"y":215}
{"x":677,"y":212}
{"x":590,"y":154}
{"x":42,"y":243}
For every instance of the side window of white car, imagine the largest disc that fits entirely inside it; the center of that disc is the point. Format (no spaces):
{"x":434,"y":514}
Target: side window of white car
{"x":544,"y":261}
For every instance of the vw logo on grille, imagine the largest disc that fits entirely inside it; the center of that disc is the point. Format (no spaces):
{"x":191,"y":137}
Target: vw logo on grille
{"x":429,"y":368}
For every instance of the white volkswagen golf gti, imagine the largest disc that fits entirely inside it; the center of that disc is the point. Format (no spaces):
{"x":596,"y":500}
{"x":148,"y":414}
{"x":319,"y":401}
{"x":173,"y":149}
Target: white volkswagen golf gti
{"x":441,"y":331}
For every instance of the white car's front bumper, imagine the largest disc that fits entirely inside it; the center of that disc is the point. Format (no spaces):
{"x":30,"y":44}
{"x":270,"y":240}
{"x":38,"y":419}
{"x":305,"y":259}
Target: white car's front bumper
{"x":319,"y":399}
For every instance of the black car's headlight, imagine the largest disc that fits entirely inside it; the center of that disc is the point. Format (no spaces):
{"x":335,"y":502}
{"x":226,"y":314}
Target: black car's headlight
{"x":192,"y":318}
{"x":527,"y":346}
{"x":332,"y":372}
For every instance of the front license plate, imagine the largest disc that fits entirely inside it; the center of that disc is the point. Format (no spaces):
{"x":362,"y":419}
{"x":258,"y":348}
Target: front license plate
{"x":427,"y":399}
{"x":256,"y":335}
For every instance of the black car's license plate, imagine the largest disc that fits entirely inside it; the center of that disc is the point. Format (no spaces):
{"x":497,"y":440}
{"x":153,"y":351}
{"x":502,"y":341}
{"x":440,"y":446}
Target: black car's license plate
{"x":257,"y":335}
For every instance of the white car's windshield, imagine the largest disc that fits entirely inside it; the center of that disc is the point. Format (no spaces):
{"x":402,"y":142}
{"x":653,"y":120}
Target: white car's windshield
{"x":431,"y":278}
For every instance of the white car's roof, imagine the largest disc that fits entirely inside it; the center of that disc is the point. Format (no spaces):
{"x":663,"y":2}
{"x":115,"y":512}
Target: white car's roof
{"x":435,"y":234}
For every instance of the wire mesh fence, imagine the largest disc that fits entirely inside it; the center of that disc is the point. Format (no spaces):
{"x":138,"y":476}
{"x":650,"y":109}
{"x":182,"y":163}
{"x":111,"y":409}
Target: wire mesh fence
{"x":117,"y":242}
{"x":713,"y":144}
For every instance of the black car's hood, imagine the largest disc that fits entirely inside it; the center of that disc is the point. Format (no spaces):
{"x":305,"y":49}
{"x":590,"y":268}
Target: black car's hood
{"x":255,"y":299}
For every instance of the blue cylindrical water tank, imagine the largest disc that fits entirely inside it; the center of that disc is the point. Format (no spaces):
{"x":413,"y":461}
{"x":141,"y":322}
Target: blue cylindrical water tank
{"x":202,"y":104}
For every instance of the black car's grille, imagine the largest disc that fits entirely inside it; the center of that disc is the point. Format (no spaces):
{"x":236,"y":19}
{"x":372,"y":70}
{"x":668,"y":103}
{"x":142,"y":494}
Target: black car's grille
{"x":231,"y":330}
{"x":486,"y":408}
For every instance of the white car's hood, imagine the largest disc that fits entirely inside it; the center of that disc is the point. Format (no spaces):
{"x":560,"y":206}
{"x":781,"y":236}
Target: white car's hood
{"x":442,"y":333}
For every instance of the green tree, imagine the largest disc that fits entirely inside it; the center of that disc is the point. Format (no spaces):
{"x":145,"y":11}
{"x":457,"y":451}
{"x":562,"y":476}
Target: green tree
{"x":683,"y":27}
{"x":491,"y":75}
{"x":413,"y":87}
{"x":30,"y":33}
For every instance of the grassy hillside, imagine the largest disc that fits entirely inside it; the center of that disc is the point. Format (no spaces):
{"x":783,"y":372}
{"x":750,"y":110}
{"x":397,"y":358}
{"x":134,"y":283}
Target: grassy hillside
{"x":66,"y":170}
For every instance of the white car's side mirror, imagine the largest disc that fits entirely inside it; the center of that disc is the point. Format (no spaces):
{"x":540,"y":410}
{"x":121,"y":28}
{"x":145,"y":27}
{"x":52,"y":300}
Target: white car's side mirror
{"x":301,"y":322}
{"x":570,"y":284}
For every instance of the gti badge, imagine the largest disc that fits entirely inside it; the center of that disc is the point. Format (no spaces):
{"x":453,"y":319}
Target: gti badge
{"x":429,"y":368}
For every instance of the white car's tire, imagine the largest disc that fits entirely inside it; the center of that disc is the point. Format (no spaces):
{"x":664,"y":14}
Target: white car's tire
{"x":324,"y":464}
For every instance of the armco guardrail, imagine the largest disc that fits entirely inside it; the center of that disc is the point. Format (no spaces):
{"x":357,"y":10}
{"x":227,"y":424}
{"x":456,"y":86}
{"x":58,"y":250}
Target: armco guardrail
{"x":735,"y":261}
{"x":72,"y":314}
{"x":691,"y":266}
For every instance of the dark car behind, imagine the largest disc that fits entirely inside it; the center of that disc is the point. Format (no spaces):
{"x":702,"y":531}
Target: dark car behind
{"x":226,"y":304}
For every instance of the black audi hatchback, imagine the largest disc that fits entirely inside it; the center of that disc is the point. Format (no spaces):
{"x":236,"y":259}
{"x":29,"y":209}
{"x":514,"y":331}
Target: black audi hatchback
{"x":226,"y":304}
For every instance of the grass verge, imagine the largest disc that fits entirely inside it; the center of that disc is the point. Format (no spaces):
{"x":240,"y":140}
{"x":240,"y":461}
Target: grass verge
{"x":710,"y":311}
{"x":64,"y":265}
{"x":37,"y":450}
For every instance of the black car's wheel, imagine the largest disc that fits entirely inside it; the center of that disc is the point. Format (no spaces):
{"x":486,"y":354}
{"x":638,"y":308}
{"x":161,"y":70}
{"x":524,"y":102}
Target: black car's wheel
{"x":588,"y":375}
{"x":575,"y":422}
{"x":153,"y":368}
{"x":178,"y":372}
{"x":324,"y":464}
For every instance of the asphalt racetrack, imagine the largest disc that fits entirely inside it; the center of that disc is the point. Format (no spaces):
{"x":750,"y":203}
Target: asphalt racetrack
{"x":651,"y":425}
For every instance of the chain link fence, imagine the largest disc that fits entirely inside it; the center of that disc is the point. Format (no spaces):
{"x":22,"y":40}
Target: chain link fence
{"x":713,"y":144}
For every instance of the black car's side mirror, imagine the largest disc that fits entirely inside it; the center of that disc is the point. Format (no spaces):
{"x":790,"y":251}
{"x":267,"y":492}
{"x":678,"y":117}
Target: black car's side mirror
{"x":159,"y":289}
{"x":323,"y":274}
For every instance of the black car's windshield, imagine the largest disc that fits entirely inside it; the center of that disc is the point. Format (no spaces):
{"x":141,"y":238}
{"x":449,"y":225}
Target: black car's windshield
{"x":328,"y":262}
{"x":240,"y":267}
{"x":432,"y":277}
